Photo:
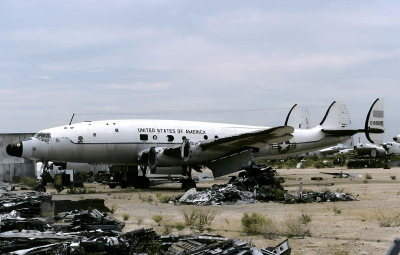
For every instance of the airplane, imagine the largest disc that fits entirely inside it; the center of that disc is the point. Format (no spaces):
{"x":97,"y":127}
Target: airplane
{"x":393,"y":148}
{"x":128,"y":144}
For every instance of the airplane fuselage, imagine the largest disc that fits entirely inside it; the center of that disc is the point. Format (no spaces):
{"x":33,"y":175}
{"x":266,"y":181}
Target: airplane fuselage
{"x":119,"y":142}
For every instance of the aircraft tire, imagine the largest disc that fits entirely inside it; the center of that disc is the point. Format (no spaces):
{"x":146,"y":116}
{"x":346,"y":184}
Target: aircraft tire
{"x":143,"y":182}
{"x":112,"y":186}
{"x":188,"y":184}
{"x":124,"y":184}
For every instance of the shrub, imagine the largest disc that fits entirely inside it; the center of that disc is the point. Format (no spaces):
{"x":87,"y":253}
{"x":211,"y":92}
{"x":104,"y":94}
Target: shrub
{"x":197,"y":218}
{"x":157,"y":218}
{"x":336,"y":210}
{"x":180,"y":225}
{"x":393,"y":177}
{"x":295,"y":227}
{"x":139,"y":220}
{"x":29,"y":182}
{"x":113,"y":208}
{"x":258,"y":224}
{"x":162,"y":198}
{"x":305,"y":218}
{"x":368,"y":176}
{"x":386,"y":220}
{"x":126,"y":216}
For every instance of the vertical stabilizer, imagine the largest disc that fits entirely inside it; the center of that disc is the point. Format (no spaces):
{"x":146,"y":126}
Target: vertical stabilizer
{"x":336,"y":117}
{"x":298,"y":117}
{"x":375,"y":121}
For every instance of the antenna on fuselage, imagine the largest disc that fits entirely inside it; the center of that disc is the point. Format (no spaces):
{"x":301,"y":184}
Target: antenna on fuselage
{"x":72,"y":118}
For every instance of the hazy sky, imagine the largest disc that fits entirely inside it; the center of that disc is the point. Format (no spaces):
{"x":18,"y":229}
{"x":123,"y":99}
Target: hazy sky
{"x":244,"y":62}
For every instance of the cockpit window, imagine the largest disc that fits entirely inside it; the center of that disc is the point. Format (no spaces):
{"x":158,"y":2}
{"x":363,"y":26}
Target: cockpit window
{"x":43,"y":136}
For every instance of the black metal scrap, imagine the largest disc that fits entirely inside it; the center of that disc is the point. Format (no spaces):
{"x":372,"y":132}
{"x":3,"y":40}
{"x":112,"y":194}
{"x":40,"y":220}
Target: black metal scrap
{"x":314,"y":196}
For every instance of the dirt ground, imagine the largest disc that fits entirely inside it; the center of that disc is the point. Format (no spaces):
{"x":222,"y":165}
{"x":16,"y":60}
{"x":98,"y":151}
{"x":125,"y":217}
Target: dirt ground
{"x":355,"y":230}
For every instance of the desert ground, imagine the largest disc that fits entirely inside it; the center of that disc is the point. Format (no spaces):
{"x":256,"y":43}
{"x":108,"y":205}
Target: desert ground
{"x":335,"y":228}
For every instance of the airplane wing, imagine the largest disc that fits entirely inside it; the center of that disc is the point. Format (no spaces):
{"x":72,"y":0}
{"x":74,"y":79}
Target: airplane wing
{"x":258,"y":139}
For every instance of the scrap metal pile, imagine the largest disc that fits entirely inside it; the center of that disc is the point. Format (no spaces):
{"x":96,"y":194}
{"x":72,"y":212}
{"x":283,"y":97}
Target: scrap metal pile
{"x":257,"y":183}
{"x":27,"y":203}
{"x":139,"y":241}
{"x":91,"y":231}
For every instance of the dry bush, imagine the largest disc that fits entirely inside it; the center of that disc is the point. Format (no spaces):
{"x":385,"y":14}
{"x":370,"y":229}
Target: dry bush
{"x":157,"y":218}
{"x":126,"y":216}
{"x":199,"y":218}
{"x":259,"y":224}
{"x":387,"y":218}
{"x":139,"y":220}
{"x":336,"y":210}
{"x":294,"y":226}
{"x":162,"y":198}
{"x":114,"y":207}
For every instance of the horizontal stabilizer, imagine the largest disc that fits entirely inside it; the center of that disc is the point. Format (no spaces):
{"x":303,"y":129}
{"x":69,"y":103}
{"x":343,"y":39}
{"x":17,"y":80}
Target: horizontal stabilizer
{"x":350,"y":132}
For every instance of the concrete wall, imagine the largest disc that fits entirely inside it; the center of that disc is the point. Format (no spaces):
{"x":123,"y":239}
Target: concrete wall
{"x":14,"y":166}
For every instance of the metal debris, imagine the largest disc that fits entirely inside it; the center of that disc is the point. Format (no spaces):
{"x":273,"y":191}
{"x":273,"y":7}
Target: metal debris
{"x":86,"y":220}
{"x":256,"y":183}
{"x":314,"y":196}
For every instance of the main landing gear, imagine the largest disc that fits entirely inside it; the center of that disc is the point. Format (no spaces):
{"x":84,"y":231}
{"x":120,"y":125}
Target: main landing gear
{"x":129,"y":176}
{"x":188,"y":183}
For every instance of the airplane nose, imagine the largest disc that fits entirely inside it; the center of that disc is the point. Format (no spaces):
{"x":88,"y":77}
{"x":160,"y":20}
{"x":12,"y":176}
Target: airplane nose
{"x":14,"y":149}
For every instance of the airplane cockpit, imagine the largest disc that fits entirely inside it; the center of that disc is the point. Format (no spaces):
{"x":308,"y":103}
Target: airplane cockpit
{"x":42,"y":136}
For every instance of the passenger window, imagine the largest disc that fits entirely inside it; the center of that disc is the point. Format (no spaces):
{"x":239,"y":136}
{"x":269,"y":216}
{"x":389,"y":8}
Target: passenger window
{"x":144,"y":137}
{"x":170,"y":138}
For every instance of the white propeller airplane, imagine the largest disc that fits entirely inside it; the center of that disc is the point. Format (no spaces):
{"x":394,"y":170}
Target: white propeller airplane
{"x":127,"y":144}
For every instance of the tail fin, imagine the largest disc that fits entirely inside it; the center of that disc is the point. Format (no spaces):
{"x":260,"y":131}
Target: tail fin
{"x":336,"y":117}
{"x":298,"y":117}
{"x":375,"y":122}
{"x":337,"y":122}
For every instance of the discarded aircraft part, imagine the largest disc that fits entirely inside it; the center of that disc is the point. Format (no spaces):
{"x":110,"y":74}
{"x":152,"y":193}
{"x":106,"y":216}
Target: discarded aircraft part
{"x":313,"y":196}
{"x":27,"y":203}
{"x":343,"y":175}
{"x":394,"y":248}
{"x":281,"y":249}
{"x":204,"y":177}
{"x":87,"y":220}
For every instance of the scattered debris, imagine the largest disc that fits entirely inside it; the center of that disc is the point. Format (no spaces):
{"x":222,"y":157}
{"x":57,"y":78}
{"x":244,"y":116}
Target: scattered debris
{"x":343,"y":175}
{"x":313,"y":196}
{"x":89,"y":231}
{"x":256,"y":183}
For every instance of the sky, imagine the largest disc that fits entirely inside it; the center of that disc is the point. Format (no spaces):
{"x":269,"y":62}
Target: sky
{"x":243,"y":62}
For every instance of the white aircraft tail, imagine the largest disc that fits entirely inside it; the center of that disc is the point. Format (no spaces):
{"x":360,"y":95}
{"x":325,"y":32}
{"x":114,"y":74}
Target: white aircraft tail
{"x":375,"y":121}
{"x":336,"y":117}
{"x":298,"y":117}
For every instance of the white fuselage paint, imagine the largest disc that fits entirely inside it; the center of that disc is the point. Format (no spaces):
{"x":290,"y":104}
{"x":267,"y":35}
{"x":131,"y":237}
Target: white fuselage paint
{"x":118,"y":142}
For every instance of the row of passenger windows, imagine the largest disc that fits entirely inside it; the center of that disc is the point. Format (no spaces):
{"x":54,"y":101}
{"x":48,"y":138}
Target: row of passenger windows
{"x":145,"y":137}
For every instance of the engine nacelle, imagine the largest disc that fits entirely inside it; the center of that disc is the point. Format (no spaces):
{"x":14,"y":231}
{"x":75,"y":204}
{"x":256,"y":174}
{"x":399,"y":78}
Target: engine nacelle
{"x":396,"y":138}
